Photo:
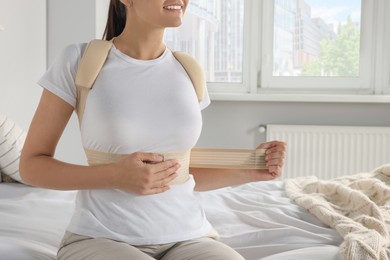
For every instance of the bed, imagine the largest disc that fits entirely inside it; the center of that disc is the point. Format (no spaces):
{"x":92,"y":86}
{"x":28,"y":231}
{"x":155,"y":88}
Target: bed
{"x":32,"y":221}
{"x":300,"y":218}
{"x":256,"y":219}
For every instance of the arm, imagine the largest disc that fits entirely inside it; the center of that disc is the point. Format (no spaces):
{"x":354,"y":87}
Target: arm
{"x":209,"y":179}
{"x":39,"y":168}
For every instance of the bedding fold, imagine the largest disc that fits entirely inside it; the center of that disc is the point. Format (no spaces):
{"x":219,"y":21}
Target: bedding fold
{"x":357,"y":206}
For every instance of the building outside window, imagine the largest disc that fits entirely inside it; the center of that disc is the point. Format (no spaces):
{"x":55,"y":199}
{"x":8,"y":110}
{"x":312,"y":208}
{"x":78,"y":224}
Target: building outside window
{"x":212,"y":31}
{"x":250,"y":48}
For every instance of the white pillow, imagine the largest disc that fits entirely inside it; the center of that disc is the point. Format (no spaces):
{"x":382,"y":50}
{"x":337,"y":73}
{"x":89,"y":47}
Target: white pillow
{"x":12,"y":138}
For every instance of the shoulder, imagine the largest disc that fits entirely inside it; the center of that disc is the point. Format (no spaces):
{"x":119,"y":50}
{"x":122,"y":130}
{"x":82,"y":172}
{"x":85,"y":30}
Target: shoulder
{"x":69,"y":58}
{"x":194,"y":71}
{"x":60,"y":76}
{"x":76,"y":47}
{"x":73,"y":51}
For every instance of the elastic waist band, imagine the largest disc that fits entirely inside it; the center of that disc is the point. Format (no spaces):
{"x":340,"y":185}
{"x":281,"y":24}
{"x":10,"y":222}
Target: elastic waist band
{"x":100,"y":158}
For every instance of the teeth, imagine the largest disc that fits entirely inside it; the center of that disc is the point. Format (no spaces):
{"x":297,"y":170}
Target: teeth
{"x":173,"y":7}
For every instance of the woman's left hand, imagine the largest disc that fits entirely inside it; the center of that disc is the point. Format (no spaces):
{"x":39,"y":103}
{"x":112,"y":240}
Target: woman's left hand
{"x":275,"y":155}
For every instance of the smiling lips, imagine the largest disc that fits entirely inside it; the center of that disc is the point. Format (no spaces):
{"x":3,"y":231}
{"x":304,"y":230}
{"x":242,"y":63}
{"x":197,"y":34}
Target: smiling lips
{"x":173,"y":7}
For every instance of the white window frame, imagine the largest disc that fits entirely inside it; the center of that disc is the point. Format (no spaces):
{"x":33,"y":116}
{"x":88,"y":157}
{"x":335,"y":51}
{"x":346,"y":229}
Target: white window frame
{"x":373,"y":85}
{"x":249,"y":65}
{"x":258,"y":84}
{"x":382,"y":75}
{"x":360,"y":84}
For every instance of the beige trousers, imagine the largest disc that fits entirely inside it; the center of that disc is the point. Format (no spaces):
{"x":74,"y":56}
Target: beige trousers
{"x":76,"y":247}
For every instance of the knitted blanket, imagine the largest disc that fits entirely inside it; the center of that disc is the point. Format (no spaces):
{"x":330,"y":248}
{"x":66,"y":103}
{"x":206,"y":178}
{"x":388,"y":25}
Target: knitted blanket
{"x":357,"y":206}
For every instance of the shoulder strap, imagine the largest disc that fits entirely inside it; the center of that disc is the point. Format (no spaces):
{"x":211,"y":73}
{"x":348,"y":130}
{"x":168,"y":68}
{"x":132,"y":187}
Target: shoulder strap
{"x":91,"y":63}
{"x":95,"y":56}
{"x":194,"y":71}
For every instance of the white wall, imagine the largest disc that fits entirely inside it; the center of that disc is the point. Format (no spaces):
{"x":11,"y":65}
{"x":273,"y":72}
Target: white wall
{"x":22,"y":57}
{"x":234,"y":124}
{"x":226,"y":123}
{"x":69,"y":21}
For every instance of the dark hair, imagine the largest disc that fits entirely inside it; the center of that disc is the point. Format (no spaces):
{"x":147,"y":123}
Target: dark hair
{"x":116,"y":20}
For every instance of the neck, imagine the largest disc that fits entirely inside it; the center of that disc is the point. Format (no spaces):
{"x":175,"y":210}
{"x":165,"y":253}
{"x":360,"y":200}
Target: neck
{"x":141,"y":43}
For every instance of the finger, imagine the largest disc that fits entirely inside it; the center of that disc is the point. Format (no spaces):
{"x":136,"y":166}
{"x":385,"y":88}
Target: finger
{"x":156,"y":190}
{"x":275,"y":171}
{"x":150,"y":157}
{"x":164,"y":182}
{"x":270,"y":144}
{"x":275,"y":155}
{"x":167,"y":174}
{"x":276,"y":162}
{"x":164,"y":166}
{"x":157,"y":186}
{"x":278,"y":148}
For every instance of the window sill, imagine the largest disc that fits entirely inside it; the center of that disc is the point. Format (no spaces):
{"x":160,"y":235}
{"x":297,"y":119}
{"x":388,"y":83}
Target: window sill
{"x":342,"y":98}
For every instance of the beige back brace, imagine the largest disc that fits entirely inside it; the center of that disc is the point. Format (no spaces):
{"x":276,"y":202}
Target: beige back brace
{"x":95,"y":56}
{"x":90,"y":65}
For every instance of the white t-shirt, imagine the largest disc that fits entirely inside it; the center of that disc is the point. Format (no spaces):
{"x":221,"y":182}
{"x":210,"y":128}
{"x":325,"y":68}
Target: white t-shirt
{"x":135,"y":106}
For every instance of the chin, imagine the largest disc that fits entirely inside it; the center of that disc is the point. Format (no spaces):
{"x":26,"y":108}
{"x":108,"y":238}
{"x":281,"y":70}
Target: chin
{"x":176,"y":23}
{"x":172,"y":22}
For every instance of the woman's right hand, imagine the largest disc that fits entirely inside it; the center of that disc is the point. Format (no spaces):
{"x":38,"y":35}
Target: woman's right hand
{"x":145,"y":173}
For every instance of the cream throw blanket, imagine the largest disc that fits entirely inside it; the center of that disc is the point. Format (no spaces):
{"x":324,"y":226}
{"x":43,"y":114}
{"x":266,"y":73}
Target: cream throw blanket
{"x":357,"y":206}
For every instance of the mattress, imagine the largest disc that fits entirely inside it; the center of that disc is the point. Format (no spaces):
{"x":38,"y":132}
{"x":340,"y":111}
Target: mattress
{"x":256,"y":219}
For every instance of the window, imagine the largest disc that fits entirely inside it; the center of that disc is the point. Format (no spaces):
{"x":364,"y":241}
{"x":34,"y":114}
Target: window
{"x":213,"y":32}
{"x":253,"y":49}
{"x":289,"y":46}
{"x":333,"y":42}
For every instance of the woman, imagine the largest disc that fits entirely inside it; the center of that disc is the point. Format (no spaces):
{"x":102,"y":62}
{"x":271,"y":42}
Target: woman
{"x":142,"y":105}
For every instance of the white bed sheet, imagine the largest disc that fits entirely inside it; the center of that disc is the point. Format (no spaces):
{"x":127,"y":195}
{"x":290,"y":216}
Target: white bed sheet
{"x":261,"y":222}
{"x":32,"y":221}
{"x":256,"y":219}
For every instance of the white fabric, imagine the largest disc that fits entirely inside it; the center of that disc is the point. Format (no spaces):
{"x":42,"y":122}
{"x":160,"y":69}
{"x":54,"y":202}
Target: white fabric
{"x":357,"y":206}
{"x":323,"y":252}
{"x":135,"y":106}
{"x":175,"y":215}
{"x":32,"y":221}
{"x":12,"y":139}
{"x":257,"y":219}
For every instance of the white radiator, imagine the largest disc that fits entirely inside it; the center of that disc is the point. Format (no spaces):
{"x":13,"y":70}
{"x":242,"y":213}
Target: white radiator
{"x":331,"y":151}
